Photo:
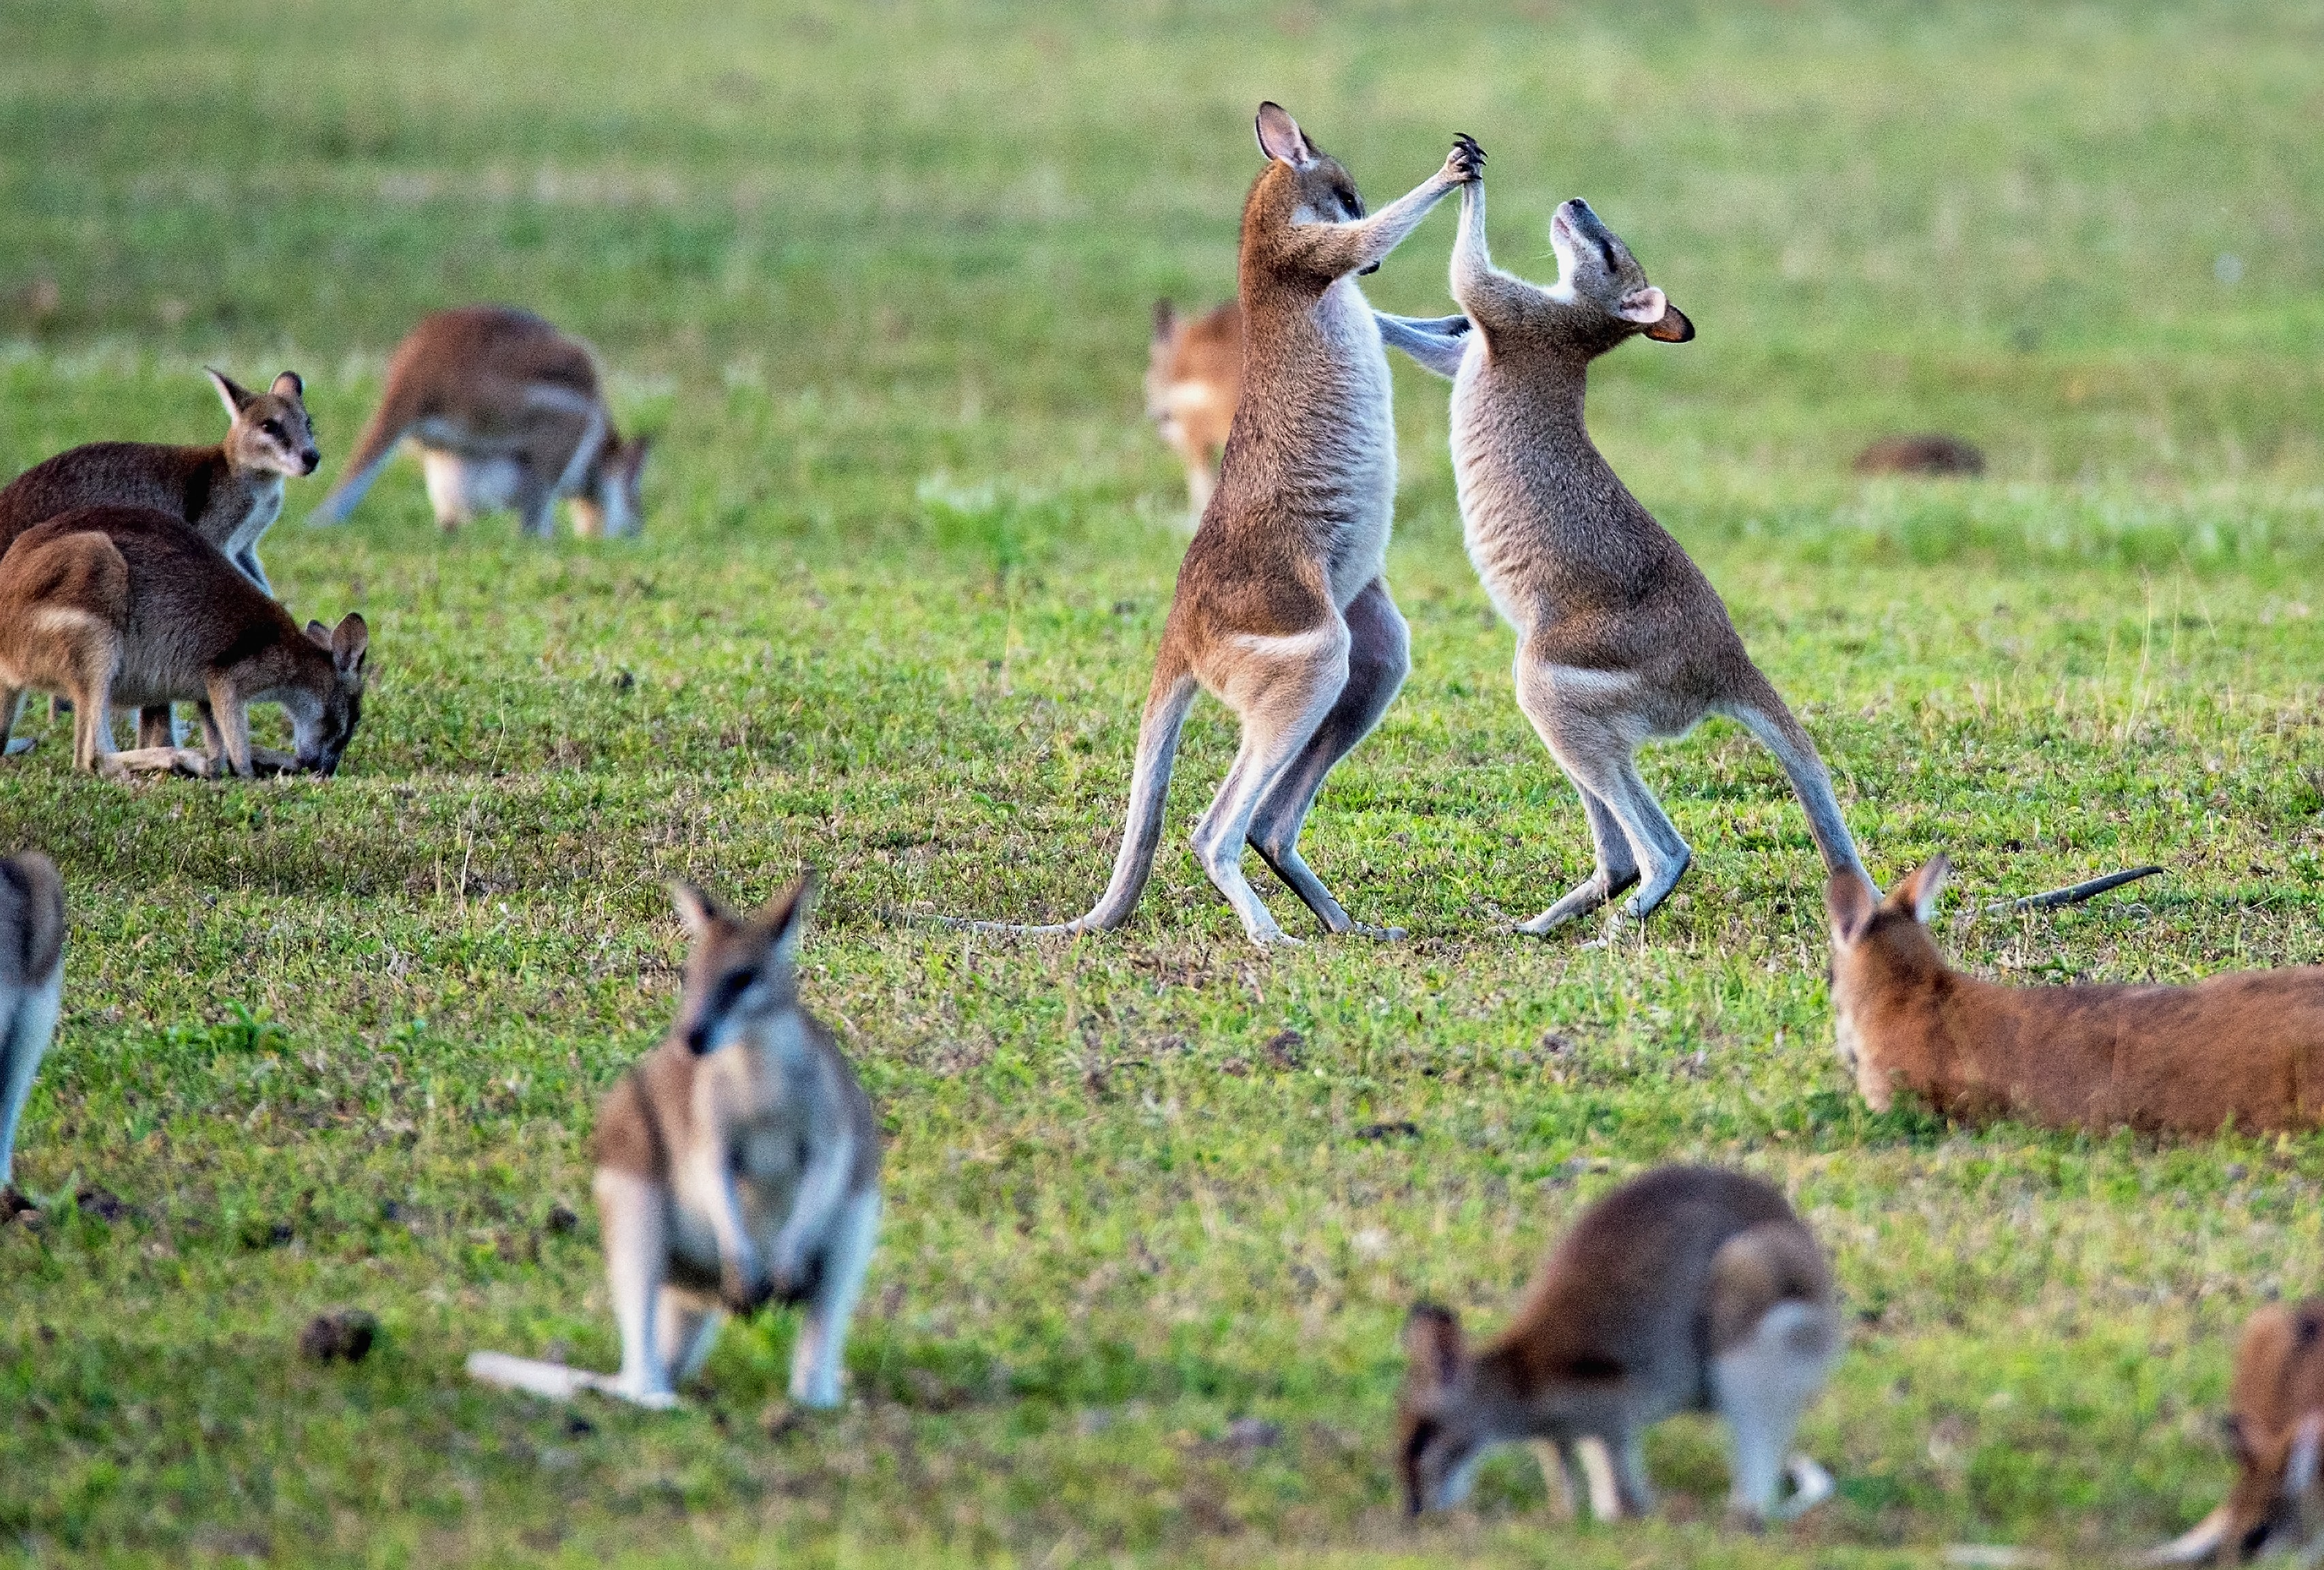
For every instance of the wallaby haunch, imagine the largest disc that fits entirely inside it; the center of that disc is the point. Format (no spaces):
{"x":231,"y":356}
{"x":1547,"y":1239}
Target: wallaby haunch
{"x":1687,"y":1290}
{"x":738,"y":1164}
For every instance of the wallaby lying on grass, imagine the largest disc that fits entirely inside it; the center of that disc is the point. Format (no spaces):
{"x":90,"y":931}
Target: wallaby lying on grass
{"x":1194,"y":380}
{"x":1281,"y":609}
{"x":737,"y":1164}
{"x":507,"y":412}
{"x":31,"y":990}
{"x":2245,"y":1048}
{"x":230,"y":495}
{"x":1620,"y":638}
{"x":127,"y":605}
{"x":1687,"y":1290}
{"x":2275,"y":1426}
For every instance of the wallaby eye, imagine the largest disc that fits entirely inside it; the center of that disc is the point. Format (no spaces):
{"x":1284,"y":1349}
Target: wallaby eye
{"x":272,"y":428}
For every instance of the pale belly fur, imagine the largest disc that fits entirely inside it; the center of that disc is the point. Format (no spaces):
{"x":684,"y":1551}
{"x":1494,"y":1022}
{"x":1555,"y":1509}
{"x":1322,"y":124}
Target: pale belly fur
{"x":1494,"y":522}
{"x":1365,"y":460}
{"x":465,"y":488}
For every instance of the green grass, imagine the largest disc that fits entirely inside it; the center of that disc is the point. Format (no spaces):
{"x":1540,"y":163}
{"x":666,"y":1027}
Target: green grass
{"x":880,"y":276}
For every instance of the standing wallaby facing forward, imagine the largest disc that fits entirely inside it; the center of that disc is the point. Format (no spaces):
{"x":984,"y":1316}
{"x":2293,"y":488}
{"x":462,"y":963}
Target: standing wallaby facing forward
{"x":738,"y":1164}
{"x":2245,"y":1048}
{"x":1687,"y":1290}
{"x":1281,"y":609}
{"x":127,"y":605}
{"x":2275,"y":1427}
{"x":1620,"y":638}
{"x":506,"y":412}
{"x":1194,"y":380}
{"x":31,"y":990}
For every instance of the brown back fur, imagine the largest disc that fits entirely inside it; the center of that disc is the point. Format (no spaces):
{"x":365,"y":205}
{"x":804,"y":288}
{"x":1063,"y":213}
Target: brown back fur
{"x":2245,"y":1048}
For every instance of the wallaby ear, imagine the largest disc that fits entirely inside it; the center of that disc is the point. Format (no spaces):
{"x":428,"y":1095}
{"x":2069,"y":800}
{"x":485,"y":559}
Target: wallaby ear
{"x":784,"y":917}
{"x":1918,"y":894}
{"x":1280,"y":138}
{"x":1672,"y":326}
{"x":1165,"y":321}
{"x":697,"y":908}
{"x":1850,"y":900}
{"x":319,"y":634}
{"x":288,"y":385}
{"x":351,"y":643}
{"x":1434,"y":1350}
{"x":1645,"y":306}
{"x":236,"y":397}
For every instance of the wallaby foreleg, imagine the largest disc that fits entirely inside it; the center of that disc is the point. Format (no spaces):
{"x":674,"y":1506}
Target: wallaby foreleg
{"x":1434,"y":346}
{"x":1358,"y":245}
{"x":1491,"y":297}
{"x":229,"y":721}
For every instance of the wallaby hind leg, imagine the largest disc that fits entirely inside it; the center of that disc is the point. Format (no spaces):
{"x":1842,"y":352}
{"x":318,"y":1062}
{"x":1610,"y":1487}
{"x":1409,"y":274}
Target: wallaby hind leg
{"x":686,"y":1328}
{"x":1615,"y":869}
{"x":11,"y":699}
{"x":634,"y":1217}
{"x":23,"y":1040}
{"x":1579,"y":716}
{"x":229,"y":719}
{"x":818,"y":1360}
{"x":1379,"y":659}
{"x":1661,"y":849}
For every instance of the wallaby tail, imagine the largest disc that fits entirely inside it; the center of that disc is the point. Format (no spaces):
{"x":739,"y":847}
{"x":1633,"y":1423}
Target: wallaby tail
{"x":372,"y":450}
{"x":1172,"y":694}
{"x":552,"y":1380}
{"x":1766,"y":716}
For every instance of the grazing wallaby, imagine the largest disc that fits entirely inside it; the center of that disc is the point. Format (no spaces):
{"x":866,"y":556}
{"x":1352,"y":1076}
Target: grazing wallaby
{"x":506,"y":412}
{"x":31,"y":990}
{"x":128,"y":606}
{"x":1937,"y":454}
{"x":1620,"y":638}
{"x":1687,"y":1290}
{"x":1194,"y":380}
{"x":1281,"y":609}
{"x":2275,"y":1427}
{"x":2245,"y":1048}
{"x":738,"y":1163}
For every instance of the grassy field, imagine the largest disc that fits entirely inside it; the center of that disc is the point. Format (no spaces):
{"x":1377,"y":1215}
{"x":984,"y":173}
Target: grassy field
{"x":879,"y":276}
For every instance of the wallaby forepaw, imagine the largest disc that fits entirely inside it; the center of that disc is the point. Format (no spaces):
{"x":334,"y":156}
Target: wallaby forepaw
{"x":1466,"y":161}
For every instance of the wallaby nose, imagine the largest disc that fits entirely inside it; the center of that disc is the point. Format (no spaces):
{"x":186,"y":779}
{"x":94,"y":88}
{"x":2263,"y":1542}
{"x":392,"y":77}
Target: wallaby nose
{"x":312,"y":459}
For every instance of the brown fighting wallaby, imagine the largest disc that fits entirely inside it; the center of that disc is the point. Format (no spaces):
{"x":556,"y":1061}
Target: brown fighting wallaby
{"x":31,"y":990}
{"x":1687,"y":1290}
{"x":738,"y":1163}
{"x":1620,"y":638}
{"x":127,"y":605}
{"x":1194,"y":380}
{"x":2275,"y":1427}
{"x":2245,"y":1049}
{"x":506,"y":412}
{"x":1281,"y":609}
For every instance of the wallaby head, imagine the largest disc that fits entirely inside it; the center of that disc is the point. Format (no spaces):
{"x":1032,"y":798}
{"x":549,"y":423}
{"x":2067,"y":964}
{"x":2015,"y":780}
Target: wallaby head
{"x":743,"y":970}
{"x":608,"y":504}
{"x":323,"y":719}
{"x":2274,"y":1427}
{"x":270,"y":432}
{"x":1881,"y":952}
{"x":1312,"y":184}
{"x":1442,"y":1424}
{"x":1604,"y":290}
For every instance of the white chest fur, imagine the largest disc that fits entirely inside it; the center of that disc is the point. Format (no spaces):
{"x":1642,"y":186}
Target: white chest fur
{"x":1359,"y":437}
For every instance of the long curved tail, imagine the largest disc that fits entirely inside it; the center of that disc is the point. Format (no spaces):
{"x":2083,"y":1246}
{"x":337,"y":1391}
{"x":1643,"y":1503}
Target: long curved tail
{"x":1167,"y":702}
{"x":1768,"y":718}
{"x":372,"y":450}
{"x":553,"y":1380}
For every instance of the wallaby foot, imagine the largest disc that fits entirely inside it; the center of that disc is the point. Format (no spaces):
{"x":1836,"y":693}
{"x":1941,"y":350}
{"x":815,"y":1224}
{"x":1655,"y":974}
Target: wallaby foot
{"x":266,"y":761}
{"x":1657,"y":886}
{"x":22,"y":745}
{"x":158,"y":761}
{"x":1579,"y":902}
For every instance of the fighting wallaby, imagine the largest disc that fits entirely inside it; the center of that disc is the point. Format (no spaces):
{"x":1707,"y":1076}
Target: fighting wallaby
{"x":738,"y":1163}
{"x":1687,"y":1290}
{"x":1281,"y":609}
{"x":127,"y":605}
{"x":2275,"y":1427}
{"x":506,"y":412}
{"x":2245,"y":1048}
{"x":1194,"y":380}
{"x":1620,"y":638}
{"x":31,"y":990}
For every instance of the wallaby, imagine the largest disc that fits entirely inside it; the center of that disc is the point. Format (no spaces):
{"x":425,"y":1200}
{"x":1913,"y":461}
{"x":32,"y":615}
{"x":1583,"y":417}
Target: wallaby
{"x":1620,"y":638}
{"x":1687,"y":1290}
{"x":1281,"y":609}
{"x":230,"y":495}
{"x":738,"y":1163}
{"x":2275,"y":1427}
{"x":506,"y":412}
{"x":2245,"y":1048}
{"x":128,"y":606}
{"x":1194,"y":380}
{"x":31,"y":992}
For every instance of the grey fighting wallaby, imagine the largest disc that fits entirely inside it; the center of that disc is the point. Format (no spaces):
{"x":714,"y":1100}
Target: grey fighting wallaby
{"x":1687,"y":1290}
{"x":506,"y":412}
{"x":128,"y":606}
{"x":1281,"y":609}
{"x":1194,"y":380}
{"x":1620,"y":638}
{"x":737,"y":1164}
{"x":31,"y":992}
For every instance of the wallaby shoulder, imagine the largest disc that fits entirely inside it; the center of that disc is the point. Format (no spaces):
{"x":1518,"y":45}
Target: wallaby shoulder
{"x":177,"y":480}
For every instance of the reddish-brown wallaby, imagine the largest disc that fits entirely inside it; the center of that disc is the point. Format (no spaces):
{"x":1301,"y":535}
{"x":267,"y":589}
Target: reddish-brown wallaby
{"x":506,"y":412}
{"x":127,"y":605}
{"x":2275,"y":1428}
{"x":1194,"y":380}
{"x":1281,"y":609}
{"x":1688,"y":1290}
{"x":2244,"y":1051}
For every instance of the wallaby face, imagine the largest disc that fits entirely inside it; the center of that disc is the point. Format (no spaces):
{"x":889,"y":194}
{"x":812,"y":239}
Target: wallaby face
{"x":1324,"y":191}
{"x":1876,"y":942}
{"x":2274,"y":1429}
{"x":323,"y":723}
{"x":270,"y":432}
{"x":31,"y":993}
{"x":1441,"y":1432}
{"x":1602,"y":286}
{"x":741,"y":973}
{"x":1193,"y":380}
